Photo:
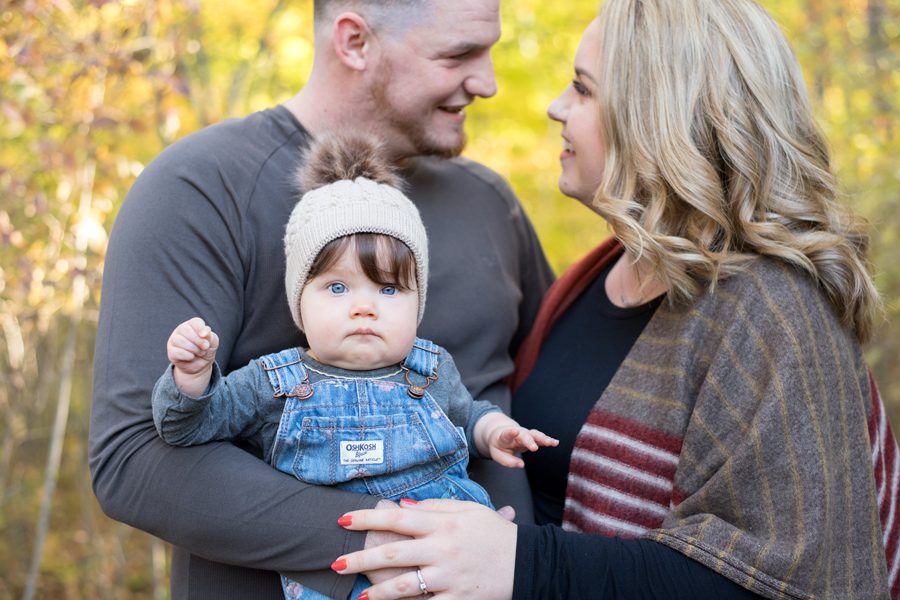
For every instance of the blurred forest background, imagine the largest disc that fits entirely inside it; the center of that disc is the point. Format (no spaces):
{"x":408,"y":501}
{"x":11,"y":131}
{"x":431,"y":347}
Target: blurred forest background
{"x":91,"y":91}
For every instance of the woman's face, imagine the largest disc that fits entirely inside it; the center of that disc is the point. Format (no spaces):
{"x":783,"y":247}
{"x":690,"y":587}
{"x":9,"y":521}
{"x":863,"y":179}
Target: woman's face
{"x":577,"y":109}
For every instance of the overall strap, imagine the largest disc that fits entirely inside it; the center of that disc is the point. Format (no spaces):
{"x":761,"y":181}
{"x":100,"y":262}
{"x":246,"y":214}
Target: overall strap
{"x":286,"y":373}
{"x":423,"y":358}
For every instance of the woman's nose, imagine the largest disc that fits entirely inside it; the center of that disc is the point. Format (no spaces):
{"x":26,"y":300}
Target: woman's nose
{"x":559,"y":108}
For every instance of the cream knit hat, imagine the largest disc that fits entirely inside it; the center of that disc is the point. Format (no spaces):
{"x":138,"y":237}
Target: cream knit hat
{"x":352,"y":190}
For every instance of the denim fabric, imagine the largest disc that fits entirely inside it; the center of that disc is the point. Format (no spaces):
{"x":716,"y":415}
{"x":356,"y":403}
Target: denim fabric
{"x":248,"y":403}
{"x":295,"y":591}
{"x":368,"y":435}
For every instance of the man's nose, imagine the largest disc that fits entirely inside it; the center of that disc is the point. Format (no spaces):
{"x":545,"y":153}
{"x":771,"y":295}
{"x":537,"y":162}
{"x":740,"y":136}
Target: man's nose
{"x":482,"y":81}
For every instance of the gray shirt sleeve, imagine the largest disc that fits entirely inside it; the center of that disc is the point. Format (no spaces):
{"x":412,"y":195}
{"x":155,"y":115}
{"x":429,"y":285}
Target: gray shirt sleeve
{"x":462,"y":410}
{"x":231,"y":408}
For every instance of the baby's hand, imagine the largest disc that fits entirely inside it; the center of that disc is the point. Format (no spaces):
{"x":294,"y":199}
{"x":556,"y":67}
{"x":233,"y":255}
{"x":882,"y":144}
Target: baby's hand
{"x":504,"y":444}
{"x":192,"y":347}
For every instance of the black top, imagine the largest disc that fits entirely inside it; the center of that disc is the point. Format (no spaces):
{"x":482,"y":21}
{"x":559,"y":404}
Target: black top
{"x":592,"y":337}
{"x":578,"y":359}
{"x":578,"y":566}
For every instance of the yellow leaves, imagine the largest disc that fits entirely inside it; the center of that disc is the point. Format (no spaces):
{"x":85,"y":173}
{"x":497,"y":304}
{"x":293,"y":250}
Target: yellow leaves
{"x":12,"y":333}
{"x":834,"y":103}
{"x":9,"y":235}
{"x":170,"y":126}
{"x":528,"y":47}
{"x":297,"y":50}
{"x":90,"y":233}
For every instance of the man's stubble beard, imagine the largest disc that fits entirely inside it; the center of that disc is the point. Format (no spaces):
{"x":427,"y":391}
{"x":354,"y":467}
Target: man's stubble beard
{"x":413,"y":131}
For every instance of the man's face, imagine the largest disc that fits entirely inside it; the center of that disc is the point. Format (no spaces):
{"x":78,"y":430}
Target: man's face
{"x":430,"y":72}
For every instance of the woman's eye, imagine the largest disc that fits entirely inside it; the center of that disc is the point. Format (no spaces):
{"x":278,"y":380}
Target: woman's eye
{"x":580,"y":89}
{"x":337,"y":288}
{"x":389,"y":290}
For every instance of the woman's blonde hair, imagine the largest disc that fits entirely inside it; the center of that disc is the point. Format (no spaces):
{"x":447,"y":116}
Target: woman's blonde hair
{"x":713,"y":156}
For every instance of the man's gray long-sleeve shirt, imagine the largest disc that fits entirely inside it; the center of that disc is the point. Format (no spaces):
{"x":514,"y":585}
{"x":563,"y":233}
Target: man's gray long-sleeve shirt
{"x":200,"y":234}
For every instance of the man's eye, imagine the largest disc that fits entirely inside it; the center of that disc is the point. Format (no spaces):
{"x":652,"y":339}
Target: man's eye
{"x":337,"y":288}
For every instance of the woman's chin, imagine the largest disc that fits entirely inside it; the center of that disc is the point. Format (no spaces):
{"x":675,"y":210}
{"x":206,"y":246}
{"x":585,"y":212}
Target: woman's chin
{"x":574,"y":192}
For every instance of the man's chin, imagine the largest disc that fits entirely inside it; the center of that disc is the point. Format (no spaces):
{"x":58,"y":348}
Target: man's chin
{"x":442,"y":150}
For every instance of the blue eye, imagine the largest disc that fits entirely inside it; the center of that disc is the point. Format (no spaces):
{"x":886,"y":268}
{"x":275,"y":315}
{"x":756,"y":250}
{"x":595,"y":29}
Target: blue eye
{"x":389,"y":290}
{"x":337,"y":288}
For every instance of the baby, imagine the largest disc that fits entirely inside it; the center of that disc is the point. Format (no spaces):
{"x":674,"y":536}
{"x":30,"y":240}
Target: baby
{"x":368,"y":407}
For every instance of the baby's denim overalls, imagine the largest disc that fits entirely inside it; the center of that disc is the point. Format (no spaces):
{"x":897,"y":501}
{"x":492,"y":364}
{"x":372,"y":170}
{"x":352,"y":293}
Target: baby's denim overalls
{"x":372,"y":436}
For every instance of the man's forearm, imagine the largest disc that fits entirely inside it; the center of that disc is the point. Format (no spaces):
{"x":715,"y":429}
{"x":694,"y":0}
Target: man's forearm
{"x":222,"y":503}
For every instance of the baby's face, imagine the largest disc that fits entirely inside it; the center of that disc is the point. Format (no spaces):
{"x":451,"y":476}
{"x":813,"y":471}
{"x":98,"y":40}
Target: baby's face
{"x":352,"y":322}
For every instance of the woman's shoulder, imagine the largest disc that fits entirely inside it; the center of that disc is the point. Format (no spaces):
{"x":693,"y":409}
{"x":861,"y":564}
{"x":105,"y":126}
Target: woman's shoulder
{"x":774,"y":298}
{"x":768,"y":283}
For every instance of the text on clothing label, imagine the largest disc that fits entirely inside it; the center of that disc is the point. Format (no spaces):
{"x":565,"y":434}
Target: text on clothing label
{"x":362,"y":453}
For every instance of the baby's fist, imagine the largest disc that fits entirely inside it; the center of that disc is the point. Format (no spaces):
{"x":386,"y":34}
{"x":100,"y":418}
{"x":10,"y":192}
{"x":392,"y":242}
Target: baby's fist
{"x":192,"y":346}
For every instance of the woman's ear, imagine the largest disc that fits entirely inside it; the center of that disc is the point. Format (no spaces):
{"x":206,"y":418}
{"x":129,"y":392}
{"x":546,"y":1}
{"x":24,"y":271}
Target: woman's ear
{"x":352,"y":40}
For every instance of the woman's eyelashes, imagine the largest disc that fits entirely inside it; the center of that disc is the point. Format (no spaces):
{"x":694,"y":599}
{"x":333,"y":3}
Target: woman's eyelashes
{"x":580,"y":89}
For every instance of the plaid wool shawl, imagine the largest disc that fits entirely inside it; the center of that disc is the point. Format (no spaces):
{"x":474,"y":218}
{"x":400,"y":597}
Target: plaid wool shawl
{"x":745,"y":431}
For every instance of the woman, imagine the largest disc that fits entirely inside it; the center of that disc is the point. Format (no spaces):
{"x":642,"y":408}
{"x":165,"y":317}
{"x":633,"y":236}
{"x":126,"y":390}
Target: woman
{"x":738,"y":447}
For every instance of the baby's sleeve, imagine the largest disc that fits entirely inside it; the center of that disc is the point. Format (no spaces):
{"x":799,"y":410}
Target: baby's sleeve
{"x":463,"y":410}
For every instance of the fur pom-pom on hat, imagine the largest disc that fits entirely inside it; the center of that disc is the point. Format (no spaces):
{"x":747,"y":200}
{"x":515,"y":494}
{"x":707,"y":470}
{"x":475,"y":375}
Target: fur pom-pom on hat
{"x":336,"y":157}
{"x":351,"y":188}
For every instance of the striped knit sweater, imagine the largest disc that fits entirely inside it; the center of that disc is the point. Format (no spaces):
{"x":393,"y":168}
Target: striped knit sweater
{"x":744,"y":431}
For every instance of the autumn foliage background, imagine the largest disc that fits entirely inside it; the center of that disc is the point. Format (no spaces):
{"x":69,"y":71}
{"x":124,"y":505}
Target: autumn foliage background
{"x":91,"y":91}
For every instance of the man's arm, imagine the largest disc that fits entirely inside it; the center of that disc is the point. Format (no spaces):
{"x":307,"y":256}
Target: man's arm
{"x":175,"y":253}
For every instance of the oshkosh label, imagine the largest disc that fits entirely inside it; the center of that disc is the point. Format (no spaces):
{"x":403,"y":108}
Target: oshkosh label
{"x":362,"y":453}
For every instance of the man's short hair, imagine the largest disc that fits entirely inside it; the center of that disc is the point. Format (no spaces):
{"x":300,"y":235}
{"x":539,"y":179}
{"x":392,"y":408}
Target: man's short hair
{"x":379,"y":14}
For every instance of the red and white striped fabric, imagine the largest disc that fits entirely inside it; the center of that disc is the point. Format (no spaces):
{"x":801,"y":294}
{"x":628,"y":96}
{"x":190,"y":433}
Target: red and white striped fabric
{"x":886,"y":462}
{"x":620,"y":477}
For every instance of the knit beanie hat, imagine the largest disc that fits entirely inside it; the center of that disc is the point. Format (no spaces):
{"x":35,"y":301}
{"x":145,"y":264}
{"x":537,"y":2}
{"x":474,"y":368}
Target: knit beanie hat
{"x":351,"y":189}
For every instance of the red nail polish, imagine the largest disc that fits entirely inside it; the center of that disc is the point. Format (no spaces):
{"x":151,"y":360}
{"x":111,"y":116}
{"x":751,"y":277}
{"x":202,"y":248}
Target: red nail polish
{"x":339,"y":565}
{"x":345,"y":521}
{"x":363,"y":596}
{"x":408,"y":501}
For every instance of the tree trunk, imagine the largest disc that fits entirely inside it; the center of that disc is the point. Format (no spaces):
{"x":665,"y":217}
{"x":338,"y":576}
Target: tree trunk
{"x":158,"y":561}
{"x":55,"y":454}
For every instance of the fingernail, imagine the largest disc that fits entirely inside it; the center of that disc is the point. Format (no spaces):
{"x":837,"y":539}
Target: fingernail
{"x":339,"y":565}
{"x":363,"y":596}
{"x":345,"y":521}
{"x":409,"y":501}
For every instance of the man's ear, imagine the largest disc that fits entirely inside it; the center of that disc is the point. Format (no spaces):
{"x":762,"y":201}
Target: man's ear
{"x":352,"y":40}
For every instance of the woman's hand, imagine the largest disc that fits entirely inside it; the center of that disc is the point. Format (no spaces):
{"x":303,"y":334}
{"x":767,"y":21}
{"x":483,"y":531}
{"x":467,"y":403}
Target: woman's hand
{"x":378,"y":538}
{"x":462,"y":549}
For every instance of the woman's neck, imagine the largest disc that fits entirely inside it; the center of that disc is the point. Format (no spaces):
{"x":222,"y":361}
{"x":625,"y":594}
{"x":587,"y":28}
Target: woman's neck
{"x":631,"y":283}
